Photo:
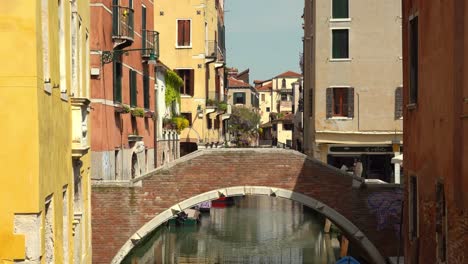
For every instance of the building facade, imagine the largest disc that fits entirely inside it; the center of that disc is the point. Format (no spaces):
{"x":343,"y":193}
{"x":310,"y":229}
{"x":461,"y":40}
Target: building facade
{"x":124,"y":46}
{"x":435,"y":37}
{"x":353,"y":84}
{"x":44,"y":187}
{"x":192,"y":44}
{"x":277,"y":108}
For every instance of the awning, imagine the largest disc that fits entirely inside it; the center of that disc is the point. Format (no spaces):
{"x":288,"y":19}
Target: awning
{"x":398,"y":159}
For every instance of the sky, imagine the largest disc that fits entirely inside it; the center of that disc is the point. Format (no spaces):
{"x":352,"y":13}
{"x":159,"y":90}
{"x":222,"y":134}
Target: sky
{"x":264,"y":35}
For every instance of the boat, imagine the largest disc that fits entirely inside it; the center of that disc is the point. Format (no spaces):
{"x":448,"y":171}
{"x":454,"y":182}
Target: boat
{"x":347,"y":260}
{"x":222,"y":202}
{"x":188,"y":217}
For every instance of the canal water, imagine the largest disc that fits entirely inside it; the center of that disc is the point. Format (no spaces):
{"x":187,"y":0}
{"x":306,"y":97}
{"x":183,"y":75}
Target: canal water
{"x":255,"y":229}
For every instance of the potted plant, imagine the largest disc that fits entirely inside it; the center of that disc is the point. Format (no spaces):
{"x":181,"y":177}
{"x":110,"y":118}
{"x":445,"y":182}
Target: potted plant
{"x":138,"y":112}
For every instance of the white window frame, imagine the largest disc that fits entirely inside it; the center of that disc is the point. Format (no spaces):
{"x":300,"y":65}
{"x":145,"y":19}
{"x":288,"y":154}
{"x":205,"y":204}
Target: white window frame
{"x":177,"y":34}
{"x":331,"y":45}
{"x":340,"y":19}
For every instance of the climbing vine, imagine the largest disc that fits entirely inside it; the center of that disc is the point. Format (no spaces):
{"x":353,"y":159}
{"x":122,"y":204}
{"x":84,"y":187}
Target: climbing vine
{"x":173,"y":83}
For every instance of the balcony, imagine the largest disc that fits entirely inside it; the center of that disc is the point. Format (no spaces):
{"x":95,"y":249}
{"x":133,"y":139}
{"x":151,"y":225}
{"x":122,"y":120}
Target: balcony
{"x":80,"y":112}
{"x":150,"y":44}
{"x":211,"y":49}
{"x":122,"y":26}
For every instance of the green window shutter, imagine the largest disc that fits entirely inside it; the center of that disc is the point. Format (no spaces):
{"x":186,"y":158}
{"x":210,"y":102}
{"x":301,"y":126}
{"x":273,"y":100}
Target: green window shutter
{"x":340,"y":9}
{"x":133,"y":88}
{"x":146,"y":92}
{"x":143,"y":27}
{"x":398,"y":103}
{"x":340,"y":44}
{"x":117,"y":81}
{"x":329,"y":102}
{"x":351,"y":102}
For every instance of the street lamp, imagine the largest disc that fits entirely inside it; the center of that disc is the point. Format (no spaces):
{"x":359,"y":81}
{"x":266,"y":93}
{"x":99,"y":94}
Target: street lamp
{"x":109,"y":56}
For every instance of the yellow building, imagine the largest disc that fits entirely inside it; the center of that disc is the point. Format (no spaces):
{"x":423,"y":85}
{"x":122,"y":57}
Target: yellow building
{"x":44,"y":184}
{"x":276,"y":108}
{"x":192,"y":44}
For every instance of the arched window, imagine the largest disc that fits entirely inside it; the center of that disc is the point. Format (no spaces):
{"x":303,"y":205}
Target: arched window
{"x":283,"y":84}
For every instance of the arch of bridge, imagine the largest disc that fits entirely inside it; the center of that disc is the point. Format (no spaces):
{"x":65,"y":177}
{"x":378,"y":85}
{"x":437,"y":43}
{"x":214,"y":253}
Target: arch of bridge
{"x":124,"y":213}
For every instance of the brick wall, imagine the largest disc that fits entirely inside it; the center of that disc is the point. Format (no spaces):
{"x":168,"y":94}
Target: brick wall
{"x":118,"y":212}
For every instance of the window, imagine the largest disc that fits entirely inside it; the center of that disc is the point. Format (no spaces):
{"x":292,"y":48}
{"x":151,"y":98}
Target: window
{"x":340,"y":9}
{"x":183,"y":33}
{"x":117,"y":81}
{"x":263,"y":97}
{"x":268,"y":109}
{"x":188,"y":76}
{"x":413,"y":208}
{"x":288,"y":127}
{"x":133,"y":87}
{"x":188,"y":116}
{"x":209,"y":123}
{"x":340,"y":43}
{"x":146,"y":91}
{"x":414,"y":58}
{"x":398,"y":103}
{"x":441,"y":223}
{"x":340,"y":102}
{"x":143,"y":26}
{"x":284,"y":97}
{"x":217,"y":123}
{"x":274,"y":127}
{"x":283,"y":84}
{"x":239,"y":98}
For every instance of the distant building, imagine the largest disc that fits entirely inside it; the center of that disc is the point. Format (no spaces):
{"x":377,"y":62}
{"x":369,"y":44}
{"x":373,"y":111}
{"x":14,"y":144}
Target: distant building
{"x":277,"y":108}
{"x":193,"y":46}
{"x":240,"y":93}
{"x":45,"y":214}
{"x":435,"y":50}
{"x":353,"y":84}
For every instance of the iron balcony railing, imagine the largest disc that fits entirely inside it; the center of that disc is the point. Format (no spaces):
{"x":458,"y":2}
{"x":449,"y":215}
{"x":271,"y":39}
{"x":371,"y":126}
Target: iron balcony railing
{"x":150,"y":43}
{"x":122,"y":22}
{"x":211,"y":49}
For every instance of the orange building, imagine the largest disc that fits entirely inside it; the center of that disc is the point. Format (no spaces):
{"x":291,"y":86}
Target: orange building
{"x":435,"y":44}
{"x":122,"y":88}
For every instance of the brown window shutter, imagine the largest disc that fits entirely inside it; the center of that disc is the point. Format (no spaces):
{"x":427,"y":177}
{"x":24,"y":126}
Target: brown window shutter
{"x":187,"y":33}
{"x":351,"y":102}
{"x":180,"y":32}
{"x":329,"y":102}
{"x":192,"y":83}
{"x":398,"y":102}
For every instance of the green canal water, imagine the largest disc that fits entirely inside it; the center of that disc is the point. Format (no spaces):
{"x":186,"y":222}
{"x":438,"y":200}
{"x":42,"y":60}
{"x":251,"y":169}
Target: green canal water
{"x":256,"y":229}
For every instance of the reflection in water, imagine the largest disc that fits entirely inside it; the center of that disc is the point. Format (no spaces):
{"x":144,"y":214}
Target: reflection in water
{"x":257,"y":229}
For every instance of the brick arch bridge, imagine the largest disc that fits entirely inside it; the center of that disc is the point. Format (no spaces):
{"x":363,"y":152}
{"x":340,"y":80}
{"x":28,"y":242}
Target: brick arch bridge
{"x":125,"y":212}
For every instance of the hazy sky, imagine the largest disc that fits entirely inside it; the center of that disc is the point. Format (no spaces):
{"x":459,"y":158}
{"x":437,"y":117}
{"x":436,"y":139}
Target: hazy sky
{"x":264,"y":35}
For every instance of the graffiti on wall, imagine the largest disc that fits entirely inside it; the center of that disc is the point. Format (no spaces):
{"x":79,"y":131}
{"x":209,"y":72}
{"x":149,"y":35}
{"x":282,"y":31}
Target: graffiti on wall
{"x":387,"y":208}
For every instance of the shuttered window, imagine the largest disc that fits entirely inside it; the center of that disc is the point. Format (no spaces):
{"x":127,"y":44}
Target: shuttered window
{"x":340,"y":43}
{"x":146,"y":91}
{"x":117,"y":81}
{"x":414,"y":58}
{"x":340,"y":102}
{"x":133,"y":87}
{"x":398,"y":103}
{"x":340,"y":9}
{"x":183,"y":33}
{"x":188,"y":76}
